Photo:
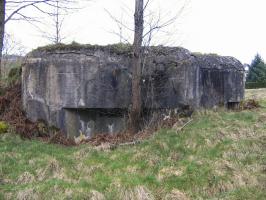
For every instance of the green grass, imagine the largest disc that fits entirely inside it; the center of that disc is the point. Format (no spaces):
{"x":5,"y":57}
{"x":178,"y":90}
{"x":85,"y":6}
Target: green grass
{"x":220,"y":155}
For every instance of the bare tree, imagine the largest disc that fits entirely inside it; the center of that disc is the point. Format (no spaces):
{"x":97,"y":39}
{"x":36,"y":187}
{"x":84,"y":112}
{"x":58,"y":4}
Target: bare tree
{"x":54,"y":23}
{"x":13,"y":10}
{"x":58,"y":13}
{"x":136,"y":66}
{"x":147,"y":23}
{"x":58,"y":25}
{"x":143,"y":33}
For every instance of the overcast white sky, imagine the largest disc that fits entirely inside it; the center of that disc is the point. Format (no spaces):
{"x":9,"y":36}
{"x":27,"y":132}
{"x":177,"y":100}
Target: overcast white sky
{"x":226,"y":27}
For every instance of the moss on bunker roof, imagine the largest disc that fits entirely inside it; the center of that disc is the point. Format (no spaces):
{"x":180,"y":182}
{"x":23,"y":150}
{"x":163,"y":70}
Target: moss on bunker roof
{"x":118,"y":48}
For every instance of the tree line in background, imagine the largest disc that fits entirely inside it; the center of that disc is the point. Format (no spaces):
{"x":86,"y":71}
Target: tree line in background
{"x":256,"y":77}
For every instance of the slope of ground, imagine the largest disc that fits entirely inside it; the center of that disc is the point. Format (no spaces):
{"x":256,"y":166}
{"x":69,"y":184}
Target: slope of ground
{"x":219,"y":155}
{"x":259,"y":94}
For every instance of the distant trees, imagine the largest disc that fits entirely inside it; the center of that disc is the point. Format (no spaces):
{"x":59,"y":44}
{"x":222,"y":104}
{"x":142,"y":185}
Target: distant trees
{"x":257,"y":70}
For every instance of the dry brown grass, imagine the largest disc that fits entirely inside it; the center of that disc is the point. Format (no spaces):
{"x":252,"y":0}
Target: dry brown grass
{"x":137,"y":193}
{"x":168,"y":172}
{"x":27,"y":194}
{"x":52,"y":170}
{"x":258,"y":94}
{"x":176,"y":195}
{"x":95,"y":195}
{"x":25,"y":178}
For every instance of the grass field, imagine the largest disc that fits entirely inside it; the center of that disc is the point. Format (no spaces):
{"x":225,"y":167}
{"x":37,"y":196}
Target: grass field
{"x":219,"y":155}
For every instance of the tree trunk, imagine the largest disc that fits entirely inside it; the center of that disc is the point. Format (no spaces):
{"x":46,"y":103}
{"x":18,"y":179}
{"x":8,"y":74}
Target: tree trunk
{"x":2,"y":30}
{"x":136,"y":68}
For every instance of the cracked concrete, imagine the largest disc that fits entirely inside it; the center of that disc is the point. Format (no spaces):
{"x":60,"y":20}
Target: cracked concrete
{"x":88,"y":90}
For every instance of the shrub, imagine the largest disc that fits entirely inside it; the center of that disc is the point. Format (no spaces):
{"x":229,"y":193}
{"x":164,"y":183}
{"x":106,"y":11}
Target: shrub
{"x":13,"y":77}
{"x":3,"y":127}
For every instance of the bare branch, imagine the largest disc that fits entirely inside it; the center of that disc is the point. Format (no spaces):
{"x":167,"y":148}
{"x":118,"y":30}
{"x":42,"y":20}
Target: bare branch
{"x":31,"y":3}
{"x":16,"y":6}
{"x":121,"y":37}
{"x":146,"y":5}
{"x":118,"y":21}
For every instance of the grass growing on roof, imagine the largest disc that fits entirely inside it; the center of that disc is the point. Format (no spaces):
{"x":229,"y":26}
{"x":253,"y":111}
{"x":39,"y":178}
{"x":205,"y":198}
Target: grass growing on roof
{"x":119,"y":48}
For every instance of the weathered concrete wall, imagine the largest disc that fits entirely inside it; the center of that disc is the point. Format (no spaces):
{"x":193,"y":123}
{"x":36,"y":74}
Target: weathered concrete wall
{"x":88,"y":88}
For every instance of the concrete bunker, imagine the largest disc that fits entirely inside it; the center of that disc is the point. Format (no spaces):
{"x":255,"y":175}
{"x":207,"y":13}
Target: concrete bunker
{"x":86,"y":88}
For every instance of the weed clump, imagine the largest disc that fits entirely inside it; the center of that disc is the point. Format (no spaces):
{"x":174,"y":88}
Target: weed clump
{"x":60,"y":138}
{"x":3,"y":127}
{"x":249,"y":104}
